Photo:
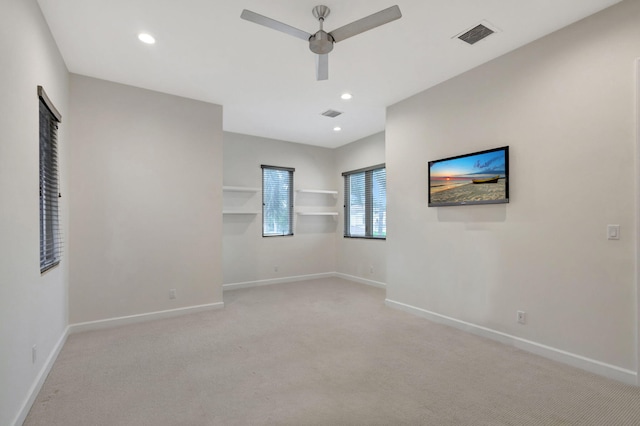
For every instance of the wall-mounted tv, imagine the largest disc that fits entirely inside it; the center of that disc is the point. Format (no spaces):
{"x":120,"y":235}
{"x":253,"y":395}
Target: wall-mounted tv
{"x":476,"y":178}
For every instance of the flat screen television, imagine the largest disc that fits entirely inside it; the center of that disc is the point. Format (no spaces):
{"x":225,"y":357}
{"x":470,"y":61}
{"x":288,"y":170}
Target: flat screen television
{"x":477,"y":178}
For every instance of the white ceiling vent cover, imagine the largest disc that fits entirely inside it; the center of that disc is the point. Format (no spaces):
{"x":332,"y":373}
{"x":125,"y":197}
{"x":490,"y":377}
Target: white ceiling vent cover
{"x":477,"y":33}
{"x":331,"y":113}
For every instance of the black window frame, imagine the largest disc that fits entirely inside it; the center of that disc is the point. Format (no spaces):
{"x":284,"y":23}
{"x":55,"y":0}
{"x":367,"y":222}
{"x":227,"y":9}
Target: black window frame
{"x":50,"y":232}
{"x":289,"y":197}
{"x":369,"y":202}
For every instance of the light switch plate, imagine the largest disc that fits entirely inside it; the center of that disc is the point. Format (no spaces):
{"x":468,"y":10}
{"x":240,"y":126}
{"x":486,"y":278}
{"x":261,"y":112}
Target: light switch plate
{"x":613,"y":232}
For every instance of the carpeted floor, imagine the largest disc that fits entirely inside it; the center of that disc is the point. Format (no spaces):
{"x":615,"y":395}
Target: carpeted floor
{"x":324,"y":352}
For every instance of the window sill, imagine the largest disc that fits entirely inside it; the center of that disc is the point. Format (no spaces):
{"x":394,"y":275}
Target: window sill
{"x":365,"y":238}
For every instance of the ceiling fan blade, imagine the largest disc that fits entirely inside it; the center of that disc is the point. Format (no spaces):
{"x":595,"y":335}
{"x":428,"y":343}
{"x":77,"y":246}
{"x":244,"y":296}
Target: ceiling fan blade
{"x":369,"y":22}
{"x":273,"y":24}
{"x":322,"y":67}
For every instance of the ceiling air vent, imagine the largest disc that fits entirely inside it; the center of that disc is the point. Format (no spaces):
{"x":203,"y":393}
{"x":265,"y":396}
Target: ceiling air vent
{"x":476,"y":33}
{"x":331,"y":113}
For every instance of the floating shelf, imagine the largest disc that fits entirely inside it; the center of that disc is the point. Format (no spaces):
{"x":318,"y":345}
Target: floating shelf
{"x":240,"y":189}
{"x":238,"y":212}
{"x":317,"y":213}
{"x":317,"y":191}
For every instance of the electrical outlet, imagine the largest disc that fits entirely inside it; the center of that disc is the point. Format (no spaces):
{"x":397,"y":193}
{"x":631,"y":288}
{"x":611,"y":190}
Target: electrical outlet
{"x":371,"y":269}
{"x":172,"y":293}
{"x":34,"y":354}
{"x":522,"y":317}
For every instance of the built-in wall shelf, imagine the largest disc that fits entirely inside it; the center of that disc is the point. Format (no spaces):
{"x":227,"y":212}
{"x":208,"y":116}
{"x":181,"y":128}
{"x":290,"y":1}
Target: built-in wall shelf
{"x":240,"y":189}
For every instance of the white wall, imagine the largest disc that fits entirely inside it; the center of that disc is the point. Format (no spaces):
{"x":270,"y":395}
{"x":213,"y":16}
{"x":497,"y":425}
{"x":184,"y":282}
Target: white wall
{"x":363,"y":259}
{"x":146,"y":179}
{"x":249,"y":257}
{"x":317,"y":246}
{"x":566,"y":106}
{"x":33,"y":307}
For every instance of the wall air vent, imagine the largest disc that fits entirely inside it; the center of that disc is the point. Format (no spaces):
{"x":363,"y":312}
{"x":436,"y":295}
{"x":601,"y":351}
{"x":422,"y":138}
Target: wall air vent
{"x":331,"y":113}
{"x":476,"y":33}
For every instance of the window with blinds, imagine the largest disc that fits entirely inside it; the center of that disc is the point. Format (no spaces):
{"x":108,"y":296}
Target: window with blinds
{"x":50,"y":235}
{"x":277,"y":201}
{"x":365,"y":203}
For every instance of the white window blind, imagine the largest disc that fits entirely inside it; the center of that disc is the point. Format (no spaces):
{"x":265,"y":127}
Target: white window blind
{"x":365,"y":202}
{"x":50,"y":235}
{"x":277,"y":201}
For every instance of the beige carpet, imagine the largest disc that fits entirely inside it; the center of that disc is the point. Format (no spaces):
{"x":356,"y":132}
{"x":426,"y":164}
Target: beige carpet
{"x":325,"y":352}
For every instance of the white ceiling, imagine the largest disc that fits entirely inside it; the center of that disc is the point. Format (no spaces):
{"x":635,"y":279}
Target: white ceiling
{"x":265,"y":80}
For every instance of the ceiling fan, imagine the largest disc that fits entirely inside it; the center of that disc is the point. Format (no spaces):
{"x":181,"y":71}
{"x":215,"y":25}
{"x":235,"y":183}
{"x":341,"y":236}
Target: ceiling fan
{"x":321,"y":43}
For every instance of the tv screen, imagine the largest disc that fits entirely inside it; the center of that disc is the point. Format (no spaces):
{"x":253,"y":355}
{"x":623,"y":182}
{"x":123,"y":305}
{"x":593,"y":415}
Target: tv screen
{"x":477,"y":178}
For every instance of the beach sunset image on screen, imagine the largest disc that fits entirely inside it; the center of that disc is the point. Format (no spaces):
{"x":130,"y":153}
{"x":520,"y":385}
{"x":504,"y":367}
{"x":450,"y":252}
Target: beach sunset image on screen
{"x":477,"y":178}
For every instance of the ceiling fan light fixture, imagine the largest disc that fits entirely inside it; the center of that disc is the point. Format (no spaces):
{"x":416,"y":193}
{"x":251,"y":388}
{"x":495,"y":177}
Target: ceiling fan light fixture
{"x":346,"y":96}
{"x":337,"y":129}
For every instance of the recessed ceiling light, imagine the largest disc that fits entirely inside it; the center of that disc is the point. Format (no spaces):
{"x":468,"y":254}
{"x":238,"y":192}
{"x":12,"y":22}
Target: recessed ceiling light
{"x":146,"y":38}
{"x":337,"y":129}
{"x":346,"y":96}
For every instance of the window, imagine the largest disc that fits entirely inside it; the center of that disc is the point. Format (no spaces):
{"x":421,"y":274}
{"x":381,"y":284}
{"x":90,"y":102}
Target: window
{"x":365,"y":203}
{"x":50,"y":239}
{"x":277,"y":201}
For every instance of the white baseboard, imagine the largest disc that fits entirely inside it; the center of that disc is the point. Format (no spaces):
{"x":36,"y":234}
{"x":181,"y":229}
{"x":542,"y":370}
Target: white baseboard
{"x":132,"y":319}
{"x":259,"y":283}
{"x":37,"y":384}
{"x":360,"y":280}
{"x":578,"y":361}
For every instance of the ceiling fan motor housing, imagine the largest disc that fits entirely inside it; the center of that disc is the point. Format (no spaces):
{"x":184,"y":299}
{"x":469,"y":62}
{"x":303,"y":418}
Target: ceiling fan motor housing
{"x":321,"y":43}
